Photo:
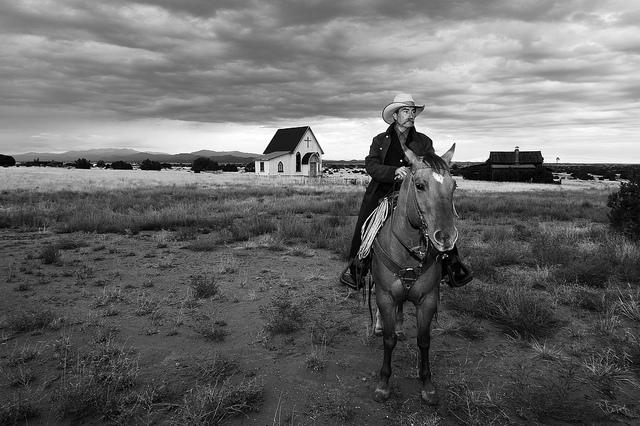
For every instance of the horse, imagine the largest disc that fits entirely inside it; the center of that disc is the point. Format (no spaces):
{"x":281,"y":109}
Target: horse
{"x":406,"y":259}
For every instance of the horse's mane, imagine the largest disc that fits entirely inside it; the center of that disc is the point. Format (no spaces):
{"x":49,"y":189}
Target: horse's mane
{"x":435,"y":162}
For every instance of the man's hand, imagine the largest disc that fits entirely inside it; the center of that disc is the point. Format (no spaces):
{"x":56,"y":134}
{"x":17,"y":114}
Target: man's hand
{"x":401,"y":173}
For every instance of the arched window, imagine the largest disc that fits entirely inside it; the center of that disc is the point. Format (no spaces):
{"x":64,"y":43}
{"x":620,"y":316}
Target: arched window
{"x":280,"y":167}
{"x":298,"y":163}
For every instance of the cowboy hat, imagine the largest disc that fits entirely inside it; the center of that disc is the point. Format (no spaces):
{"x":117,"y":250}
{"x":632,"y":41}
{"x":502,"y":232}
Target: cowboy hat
{"x":401,"y":100}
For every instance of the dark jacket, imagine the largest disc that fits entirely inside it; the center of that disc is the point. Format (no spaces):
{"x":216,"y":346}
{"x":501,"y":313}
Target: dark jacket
{"x":374,"y":163}
{"x":382,"y":174}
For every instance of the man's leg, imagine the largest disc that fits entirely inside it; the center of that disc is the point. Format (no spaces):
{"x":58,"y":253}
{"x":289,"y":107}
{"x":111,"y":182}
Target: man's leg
{"x":454,"y":272}
{"x":353,"y":275}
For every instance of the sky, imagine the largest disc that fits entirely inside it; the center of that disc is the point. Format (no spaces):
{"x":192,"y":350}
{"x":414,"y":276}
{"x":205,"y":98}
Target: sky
{"x":562,"y":77}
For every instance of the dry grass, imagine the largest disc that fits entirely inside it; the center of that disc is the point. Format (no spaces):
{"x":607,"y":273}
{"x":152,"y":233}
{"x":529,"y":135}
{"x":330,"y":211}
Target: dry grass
{"x":549,"y":273}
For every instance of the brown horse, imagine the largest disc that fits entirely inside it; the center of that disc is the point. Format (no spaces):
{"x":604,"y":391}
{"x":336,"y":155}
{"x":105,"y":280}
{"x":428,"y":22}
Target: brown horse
{"x":406,"y":262}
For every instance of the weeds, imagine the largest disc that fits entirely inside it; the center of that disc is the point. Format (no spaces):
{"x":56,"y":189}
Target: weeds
{"x":283,"y":315}
{"x":145,"y":305}
{"x":317,"y":359}
{"x":204,"y":287}
{"x":546,"y":352}
{"x":216,"y":368}
{"x":213,"y":404}
{"x":96,"y":384}
{"x":17,"y":410}
{"x":629,"y":306}
{"x":548,"y":398}
{"x":521,"y":312}
{"x":608,"y":373}
{"x":108,"y":297}
{"x":26,"y":321}
{"x":23,"y":354}
{"x":50,"y":255}
{"x":465,"y":327}
{"x":211,"y":329}
{"x":471,"y":406}
{"x":333,"y":404}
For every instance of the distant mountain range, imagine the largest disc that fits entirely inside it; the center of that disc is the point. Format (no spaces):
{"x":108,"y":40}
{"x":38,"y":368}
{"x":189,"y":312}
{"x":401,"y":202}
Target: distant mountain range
{"x":131,"y":155}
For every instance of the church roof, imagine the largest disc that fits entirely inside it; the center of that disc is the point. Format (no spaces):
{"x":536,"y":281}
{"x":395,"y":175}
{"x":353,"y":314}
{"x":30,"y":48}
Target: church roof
{"x":272,"y":155}
{"x":286,"y":139}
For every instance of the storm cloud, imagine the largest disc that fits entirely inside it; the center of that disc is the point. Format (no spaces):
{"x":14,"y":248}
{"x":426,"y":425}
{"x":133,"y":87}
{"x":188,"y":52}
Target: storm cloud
{"x":494,"y":74}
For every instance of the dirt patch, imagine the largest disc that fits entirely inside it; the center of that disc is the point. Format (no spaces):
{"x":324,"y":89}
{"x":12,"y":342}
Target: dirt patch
{"x":137,"y":293}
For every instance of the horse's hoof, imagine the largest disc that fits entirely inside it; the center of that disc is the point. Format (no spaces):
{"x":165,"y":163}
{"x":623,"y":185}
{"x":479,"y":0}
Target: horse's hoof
{"x":381,"y":395}
{"x":431,"y":397}
{"x":401,"y":335}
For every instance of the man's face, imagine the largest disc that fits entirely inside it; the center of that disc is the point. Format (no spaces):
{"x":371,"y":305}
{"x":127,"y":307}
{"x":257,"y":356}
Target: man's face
{"x":405,"y":116}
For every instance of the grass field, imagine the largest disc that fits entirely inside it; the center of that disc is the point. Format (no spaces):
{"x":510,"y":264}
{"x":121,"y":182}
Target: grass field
{"x":177,"y":298}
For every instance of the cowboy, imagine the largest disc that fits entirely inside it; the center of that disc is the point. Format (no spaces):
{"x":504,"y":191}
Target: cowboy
{"x":387,"y":164}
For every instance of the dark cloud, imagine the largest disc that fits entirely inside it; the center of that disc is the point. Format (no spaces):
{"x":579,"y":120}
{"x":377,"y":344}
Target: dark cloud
{"x":502,"y":62}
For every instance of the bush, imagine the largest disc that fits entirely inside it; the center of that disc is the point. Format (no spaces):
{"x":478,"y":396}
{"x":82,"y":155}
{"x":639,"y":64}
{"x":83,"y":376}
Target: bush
{"x":204,"y":287}
{"x":283,"y":315}
{"x":624,"y":215}
{"x":82,"y":163}
{"x":150,"y":165}
{"x":204,"y":163}
{"x":121,"y":165}
{"x":7,"y":161}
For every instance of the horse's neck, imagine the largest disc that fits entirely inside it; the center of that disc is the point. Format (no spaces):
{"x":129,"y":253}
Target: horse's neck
{"x":401,"y":221}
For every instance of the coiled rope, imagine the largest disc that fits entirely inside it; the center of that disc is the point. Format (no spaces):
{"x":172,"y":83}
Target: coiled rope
{"x":371,"y":226}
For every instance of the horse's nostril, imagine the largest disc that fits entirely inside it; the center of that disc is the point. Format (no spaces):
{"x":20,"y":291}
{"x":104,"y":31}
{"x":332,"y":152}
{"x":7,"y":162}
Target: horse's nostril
{"x":441,"y":237}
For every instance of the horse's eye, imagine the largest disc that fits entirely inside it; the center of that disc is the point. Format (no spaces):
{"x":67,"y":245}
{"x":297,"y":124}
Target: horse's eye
{"x":420,"y":186}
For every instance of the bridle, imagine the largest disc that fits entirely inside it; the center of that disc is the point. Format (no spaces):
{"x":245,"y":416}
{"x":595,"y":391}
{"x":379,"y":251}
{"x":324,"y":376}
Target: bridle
{"x":425,"y":254}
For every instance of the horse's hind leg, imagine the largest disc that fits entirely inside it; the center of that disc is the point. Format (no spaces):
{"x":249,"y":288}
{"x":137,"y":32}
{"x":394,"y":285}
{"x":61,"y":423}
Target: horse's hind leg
{"x":387,"y":310}
{"x":424,"y":314}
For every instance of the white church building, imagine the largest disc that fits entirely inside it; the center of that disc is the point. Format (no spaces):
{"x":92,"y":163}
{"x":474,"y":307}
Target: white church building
{"x":292,"y":152}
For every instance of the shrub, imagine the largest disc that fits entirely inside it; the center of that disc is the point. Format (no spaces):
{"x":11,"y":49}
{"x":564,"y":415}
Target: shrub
{"x":82,"y":163}
{"x":551,"y":398}
{"x":17,"y":411}
{"x":203,"y":287}
{"x":121,"y":165}
{"x":7,"y":161}
{"x":204,"y":163}
{"x":523,"y":313}
{"x":624,"y":215}
{"x":50,"y":254}
{"x":25,"y":321}
{"x":97,"y":383}
{"x":150,"y":165}
{"x":211,"y":329}
{"x":283,"y":316}
{"x":213,"y":404}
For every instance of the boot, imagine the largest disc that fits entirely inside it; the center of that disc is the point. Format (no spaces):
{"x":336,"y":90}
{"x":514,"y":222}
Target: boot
{"x":354,"y":273}
{"x":454,"y":272}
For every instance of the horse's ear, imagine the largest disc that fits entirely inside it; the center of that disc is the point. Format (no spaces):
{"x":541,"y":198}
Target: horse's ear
{"x":414,"y":160}
{"x":447,"y":156}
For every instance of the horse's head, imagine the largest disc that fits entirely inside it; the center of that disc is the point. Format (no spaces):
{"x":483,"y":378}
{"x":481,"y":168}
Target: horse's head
{"x":431,"y":185}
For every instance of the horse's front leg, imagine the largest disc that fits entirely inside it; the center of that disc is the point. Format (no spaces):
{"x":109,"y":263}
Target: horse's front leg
{"x":387,"y":310}
{"x":425,"y":310}
{"x":399,"y":323}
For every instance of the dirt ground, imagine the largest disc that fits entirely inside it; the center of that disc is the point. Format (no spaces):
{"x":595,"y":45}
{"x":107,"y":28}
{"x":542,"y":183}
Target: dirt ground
{"x":151,"y":268}
{"x":134,"y":294}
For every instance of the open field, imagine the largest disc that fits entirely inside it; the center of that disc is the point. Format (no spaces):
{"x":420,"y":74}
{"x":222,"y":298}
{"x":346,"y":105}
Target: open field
{"x":179,"y":298}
